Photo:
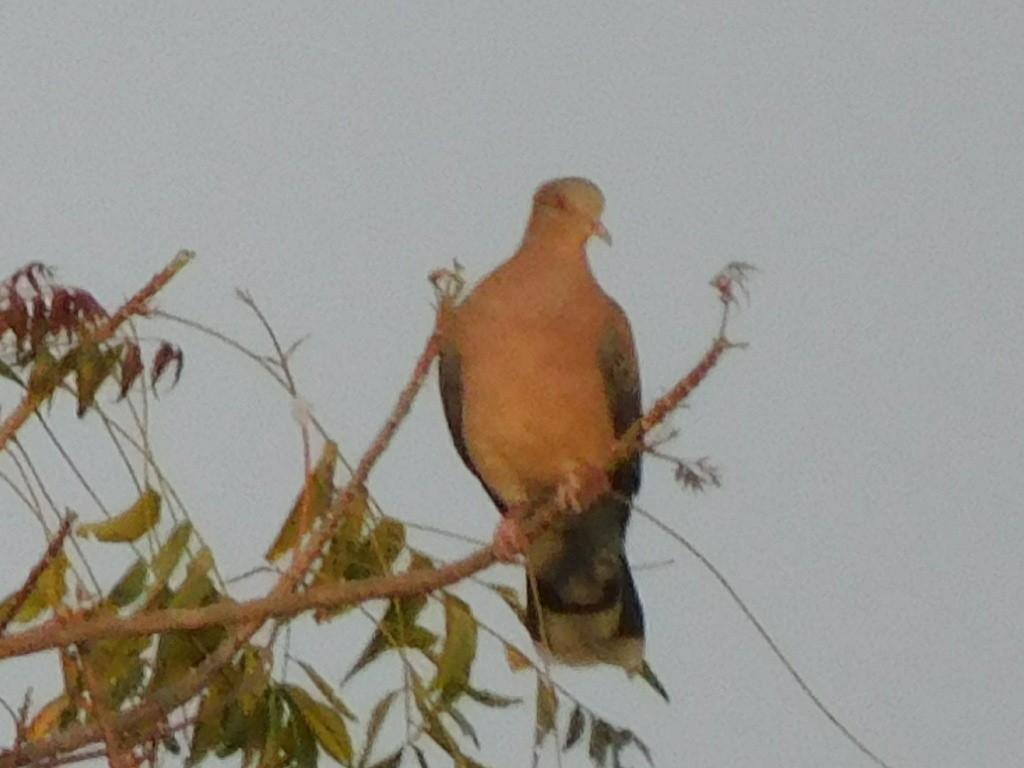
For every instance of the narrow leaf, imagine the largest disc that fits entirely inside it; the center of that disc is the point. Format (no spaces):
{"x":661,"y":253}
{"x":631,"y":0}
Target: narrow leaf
{"x":644,"y":749}
{"x":47,"y":592}
{"x":47,"y":373}
{"x":459,"y":650}
{"x":130,"y":586}
{"x":92,"y":367}
{"x":464,"y":725}
{"x":166,"y":559}
{"x":377,"y":717}
{"x":131,"y":367}
{"x":196,"y":588}
{"x":165,"y":354}
{"x":601,"y":736}
{"x":516,"y":659}
{"x":273,"y":753}
{"x":312,"y":502}
{"x":8,"y":373}
{"x":491,"y":699}
{"x":576,"y":724}
{"x":511,"y":598}
{"x":47,"y":720}
{"x":326,"y":724}
{"x":327,"y":691}
{"x":393,"y":760}
{"x":547,"y":711}
{"x":397,"y":629}
{"x":135,"y":521}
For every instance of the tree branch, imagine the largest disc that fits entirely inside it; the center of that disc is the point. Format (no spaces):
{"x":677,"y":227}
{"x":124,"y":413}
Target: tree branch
{"x":283,"y":601}
{"x":136,"y":305}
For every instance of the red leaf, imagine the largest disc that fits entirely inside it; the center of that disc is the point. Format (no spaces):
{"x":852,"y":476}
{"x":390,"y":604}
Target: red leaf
{"x":165,"y":355}
{"x":62,"y":312}
{"x":87,"y":306}
{"x":39,"y":324}
{"x":32,"y":272}
{"x":131,"y":367}
{"x":15,"y":317}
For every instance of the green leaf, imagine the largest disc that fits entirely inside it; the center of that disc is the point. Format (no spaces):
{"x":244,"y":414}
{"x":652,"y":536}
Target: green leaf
{"x":459,"y":650}
{"x":511,"y":598}
{"x":117,"y":664}
{"x":377,"y":717}
{"x":300,"y":741}
{"x":576,"y":724}
{"x":273,"y":754}
{"x":391,"y":761}
{"x":464,"y":725}
{"x":8,"y":373}
{"x":327,"y":725}
{"x":92,"y":367}
{"x":327,"y":691}
{"x":135,"y":521}
{"x":601,"y":739}
{"x":377,"y":552}
{"x":167,"y":558}
{"x":313,"y":500}
{"x":46,"y":375}
{"x":47,"y":592}
{"x":397,"y":629}
{"x":130,"y":586}
{"x":490,"y":698}
{"x":178,"y":652}
{"x":547,"y":711}
{"x":347,"y":539}
{"x":206,"y":734}
{"x":644,"y":749}
{"x":196,"y":586}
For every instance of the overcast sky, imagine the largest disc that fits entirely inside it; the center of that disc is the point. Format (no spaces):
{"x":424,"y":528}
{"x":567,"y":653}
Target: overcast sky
{"x":867,"y":157}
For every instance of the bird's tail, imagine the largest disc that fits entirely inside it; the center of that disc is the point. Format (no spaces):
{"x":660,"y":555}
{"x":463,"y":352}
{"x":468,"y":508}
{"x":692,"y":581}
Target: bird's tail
{"x":582,"y":604}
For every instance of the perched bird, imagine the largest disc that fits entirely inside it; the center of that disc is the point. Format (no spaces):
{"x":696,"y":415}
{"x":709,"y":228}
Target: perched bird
{"x":539,"y":378}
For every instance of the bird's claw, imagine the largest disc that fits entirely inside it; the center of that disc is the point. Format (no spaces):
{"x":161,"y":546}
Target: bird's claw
{"x":580,"y":487}
{"x":509,"y":540}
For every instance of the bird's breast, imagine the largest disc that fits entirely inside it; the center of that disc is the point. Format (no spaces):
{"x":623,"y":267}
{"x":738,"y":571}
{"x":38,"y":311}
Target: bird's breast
{"x":534,"y":402}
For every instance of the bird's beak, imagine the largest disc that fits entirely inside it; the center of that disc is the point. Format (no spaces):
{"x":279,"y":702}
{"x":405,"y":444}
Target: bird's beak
{"x":601,"y":232}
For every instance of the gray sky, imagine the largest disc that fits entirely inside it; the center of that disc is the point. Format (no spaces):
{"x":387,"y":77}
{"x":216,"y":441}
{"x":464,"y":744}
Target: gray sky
{"x":868,"y":158}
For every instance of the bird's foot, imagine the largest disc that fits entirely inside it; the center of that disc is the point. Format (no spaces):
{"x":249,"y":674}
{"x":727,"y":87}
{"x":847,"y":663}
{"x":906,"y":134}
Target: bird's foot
{"x":581,"y":485}
{"x":509,"y":539}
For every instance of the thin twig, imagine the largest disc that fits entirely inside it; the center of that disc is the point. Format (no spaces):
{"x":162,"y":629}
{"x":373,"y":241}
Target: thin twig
{"x":176,"y":694}
{"x":52,"y":550}
{"x":222,"y":337}
{"x":115,"y":750}
{"x":283,"y":601}
{"x":720,"y":577}
{"x":136,"y":305}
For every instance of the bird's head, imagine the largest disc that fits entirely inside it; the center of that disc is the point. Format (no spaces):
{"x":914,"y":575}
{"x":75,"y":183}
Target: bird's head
{"x":571,"y":205}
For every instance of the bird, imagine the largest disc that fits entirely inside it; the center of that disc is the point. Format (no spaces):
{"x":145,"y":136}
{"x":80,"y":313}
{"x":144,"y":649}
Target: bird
{"x":539,"y":378}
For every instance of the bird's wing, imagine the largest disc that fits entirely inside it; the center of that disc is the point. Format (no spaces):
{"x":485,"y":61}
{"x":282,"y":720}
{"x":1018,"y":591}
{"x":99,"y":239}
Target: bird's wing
{"x":450,"y":375}
{"x":617,"y":360}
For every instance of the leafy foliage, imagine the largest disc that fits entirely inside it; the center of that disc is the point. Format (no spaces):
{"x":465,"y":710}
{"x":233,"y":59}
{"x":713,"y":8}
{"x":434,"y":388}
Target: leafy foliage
{"x":49,"y":331}
{"x":248,"y":706}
